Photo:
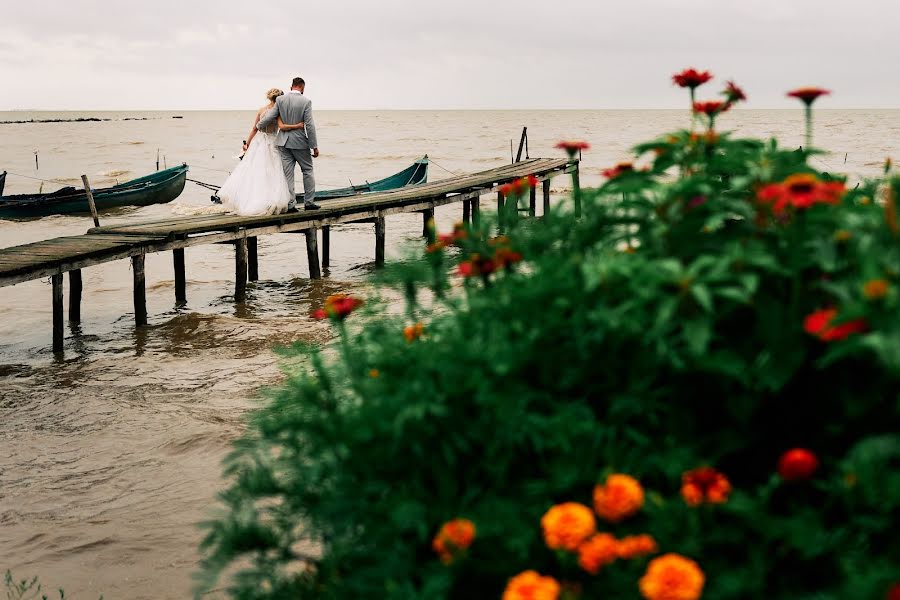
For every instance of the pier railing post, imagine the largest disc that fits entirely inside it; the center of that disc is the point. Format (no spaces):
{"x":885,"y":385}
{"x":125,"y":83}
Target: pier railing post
{"x":57,"y":282}
{"x":240,"y":270}
{"x":532,"y":202}
{"x":379,"y":241}
{"x":180,"y":281}
{"x":546,"y":191}
{"x":312,"y":254}
{"x":252,"y":261}
{"x":476,"y":209}
{"x":326,"y":247}
{"x":75,"y":288}
{"x":140,"y":290}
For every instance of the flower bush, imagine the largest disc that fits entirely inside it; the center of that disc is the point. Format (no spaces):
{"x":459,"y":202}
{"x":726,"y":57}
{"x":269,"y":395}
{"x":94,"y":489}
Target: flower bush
{"x":689,"y":390}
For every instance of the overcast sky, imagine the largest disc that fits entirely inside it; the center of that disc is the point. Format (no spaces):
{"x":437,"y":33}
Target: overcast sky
{"x":404,"y":54}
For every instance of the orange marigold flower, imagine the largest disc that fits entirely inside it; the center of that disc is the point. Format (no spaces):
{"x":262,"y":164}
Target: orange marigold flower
{"x":374,"y":373}
{"x":477,"y":265}
{"x":597,"y":551}
{"x":705,"y":485}
{"x":619,"y":497}
{"x":875,"y":289}
{"x":566,"y":525}
{"x":634,"y":546}
{"x":691,"y":78}
{"x":819,"y":324}
{"x":808,"y":95}
{"x":435,"y":247}
{"x":619,"y":170}
{"x":842,"y":235}
{"x":672,"y":577}
{"x":797,"y":464}
{"x":337,"y":306}
{"x":413,"y":332}
{"x":531,"y":585}
{"x":505,"y":256}
{"x":454,"y":537}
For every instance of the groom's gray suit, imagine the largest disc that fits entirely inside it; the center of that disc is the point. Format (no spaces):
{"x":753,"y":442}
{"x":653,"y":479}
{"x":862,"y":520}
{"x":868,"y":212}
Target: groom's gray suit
{"x":296,"y":145}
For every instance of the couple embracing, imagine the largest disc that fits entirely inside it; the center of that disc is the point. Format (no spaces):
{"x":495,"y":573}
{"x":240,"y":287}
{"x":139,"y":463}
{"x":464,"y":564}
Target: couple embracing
{"x":283,"y":135}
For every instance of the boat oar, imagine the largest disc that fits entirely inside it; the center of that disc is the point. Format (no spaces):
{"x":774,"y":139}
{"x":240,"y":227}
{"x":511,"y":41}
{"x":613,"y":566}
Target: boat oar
{"x":90,"y":198}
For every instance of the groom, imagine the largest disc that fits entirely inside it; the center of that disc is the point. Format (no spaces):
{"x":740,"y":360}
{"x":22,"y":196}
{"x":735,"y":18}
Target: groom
{"x":298,"y":144}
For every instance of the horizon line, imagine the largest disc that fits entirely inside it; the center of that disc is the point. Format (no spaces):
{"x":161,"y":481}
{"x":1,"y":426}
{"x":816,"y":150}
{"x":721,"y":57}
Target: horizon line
{"x":172,"y":110}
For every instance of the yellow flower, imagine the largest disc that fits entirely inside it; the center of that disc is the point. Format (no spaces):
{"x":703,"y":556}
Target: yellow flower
{"x":453,"y":537}
{"x":875,"y":289}
{"x":618,"y":498}
{"x":597,"y":551}
{"x":567,"y":525}
{"x":530,"y":585}
{"x":672,"y":577}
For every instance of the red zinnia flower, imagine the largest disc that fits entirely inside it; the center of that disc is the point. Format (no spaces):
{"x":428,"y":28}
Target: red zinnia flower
{"x":619,"y":170}
{"x":573,"y":146}
{"x":819,"y":325}
{"x":800,"y":191}
{"x":691,"y":78}
{"x":733,"y":93}
{"x":337,"y":306}
{"x":797,"y":464}
{"x":710,"y":108}
{"x":808,"y":95}
{"x":519,"y":186}
{"x":705,"y":485}
{"x":894,"y":592}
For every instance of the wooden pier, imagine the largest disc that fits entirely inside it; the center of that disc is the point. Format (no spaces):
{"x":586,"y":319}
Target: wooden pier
{"x":55,"y":257}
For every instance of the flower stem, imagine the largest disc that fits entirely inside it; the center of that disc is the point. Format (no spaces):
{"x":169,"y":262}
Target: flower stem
{"x":808,"y":110}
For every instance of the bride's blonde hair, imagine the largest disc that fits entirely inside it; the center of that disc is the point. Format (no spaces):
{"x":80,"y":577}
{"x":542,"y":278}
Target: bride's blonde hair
{"x":273,"y":93}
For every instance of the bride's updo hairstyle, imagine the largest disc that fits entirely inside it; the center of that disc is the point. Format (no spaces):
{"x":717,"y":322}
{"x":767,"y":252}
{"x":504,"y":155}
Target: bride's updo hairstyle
{"x":274,"y":93}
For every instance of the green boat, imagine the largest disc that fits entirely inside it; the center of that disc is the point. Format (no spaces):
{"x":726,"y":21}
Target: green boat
{"x":414,"y":174}
{"x":157,"y":188}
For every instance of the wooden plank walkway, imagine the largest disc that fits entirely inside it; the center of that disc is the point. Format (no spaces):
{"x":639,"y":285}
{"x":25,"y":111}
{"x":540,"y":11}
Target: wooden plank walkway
{"x":52,"y":258}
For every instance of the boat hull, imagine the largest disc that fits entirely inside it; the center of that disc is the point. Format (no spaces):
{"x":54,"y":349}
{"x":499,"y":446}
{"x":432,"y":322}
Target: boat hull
{"x":157,"y":188}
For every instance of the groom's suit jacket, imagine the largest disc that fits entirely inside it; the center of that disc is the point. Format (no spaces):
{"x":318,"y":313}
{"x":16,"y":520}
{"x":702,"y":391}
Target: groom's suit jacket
{"x":293,"y":108}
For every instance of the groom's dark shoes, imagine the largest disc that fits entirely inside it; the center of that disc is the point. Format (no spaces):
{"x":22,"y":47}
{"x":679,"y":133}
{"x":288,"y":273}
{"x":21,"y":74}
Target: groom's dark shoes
{"x":311,"y":206}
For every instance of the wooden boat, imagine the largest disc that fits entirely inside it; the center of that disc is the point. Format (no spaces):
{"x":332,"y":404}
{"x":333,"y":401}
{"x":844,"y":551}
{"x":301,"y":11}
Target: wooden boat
{"x":156,"y":188}
{"x":411,"y":175}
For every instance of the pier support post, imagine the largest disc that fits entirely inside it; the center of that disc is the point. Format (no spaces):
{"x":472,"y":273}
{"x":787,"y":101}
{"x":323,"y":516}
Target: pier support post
{"x":532,"y":202}
{"x":576,"y":191}
{"x":252,"y":261}
{"x":312,"y":254}
{"x":500,"y":203}
{"x":75,"y":295}
{"x":326,"y":247}
{"x":140,"y":290}
{"x":546,"y":190}
{"x":475,"y":203}
{"x":379,"y":241}
{"x":240,"y":270}
{"x":57,"y":281}
{"x":180,"y":282}
{"x":467,"y":207}
{"x":427,"y":215}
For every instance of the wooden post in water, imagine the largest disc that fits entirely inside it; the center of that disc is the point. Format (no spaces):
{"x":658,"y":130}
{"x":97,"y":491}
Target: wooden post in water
{"x":240,"y":270}
{"x":501,"y":201}
{"x":532,"y":202}
{"x":427,"y":215}
{"x":576,"y":191}
{"x":57,"y":281}
{"x":252,"y":261}
{"x":326,"y":247}
{"x":312,"y":254}
{"x":180,"y":282}
{"x":379,"y":241}
{"x":476,"y":210}
{"x":75,"y":295}
{"x":467,"y":206}
{"x":546,"y":196}
{"x":140,"y":290}
{"x":90,"y":199}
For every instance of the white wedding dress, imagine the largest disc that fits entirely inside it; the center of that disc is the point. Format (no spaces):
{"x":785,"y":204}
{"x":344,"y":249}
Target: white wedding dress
{"x":257,"y":186}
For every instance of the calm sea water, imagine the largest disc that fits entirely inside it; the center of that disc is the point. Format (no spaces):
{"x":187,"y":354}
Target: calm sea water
{"x":111,"y":455}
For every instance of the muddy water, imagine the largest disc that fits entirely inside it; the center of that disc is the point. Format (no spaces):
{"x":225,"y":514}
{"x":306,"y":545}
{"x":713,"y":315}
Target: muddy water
{"x":110,"y":455}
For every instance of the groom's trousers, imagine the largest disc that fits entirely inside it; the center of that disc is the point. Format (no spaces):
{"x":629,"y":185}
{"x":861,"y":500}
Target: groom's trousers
{"x":289,"y":158}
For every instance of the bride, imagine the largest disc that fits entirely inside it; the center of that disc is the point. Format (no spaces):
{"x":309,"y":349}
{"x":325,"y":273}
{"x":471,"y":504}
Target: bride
{"x":258,"y":186}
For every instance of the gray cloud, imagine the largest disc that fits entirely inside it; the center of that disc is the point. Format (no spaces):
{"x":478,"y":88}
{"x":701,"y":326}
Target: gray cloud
{"x":168,"y":54}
